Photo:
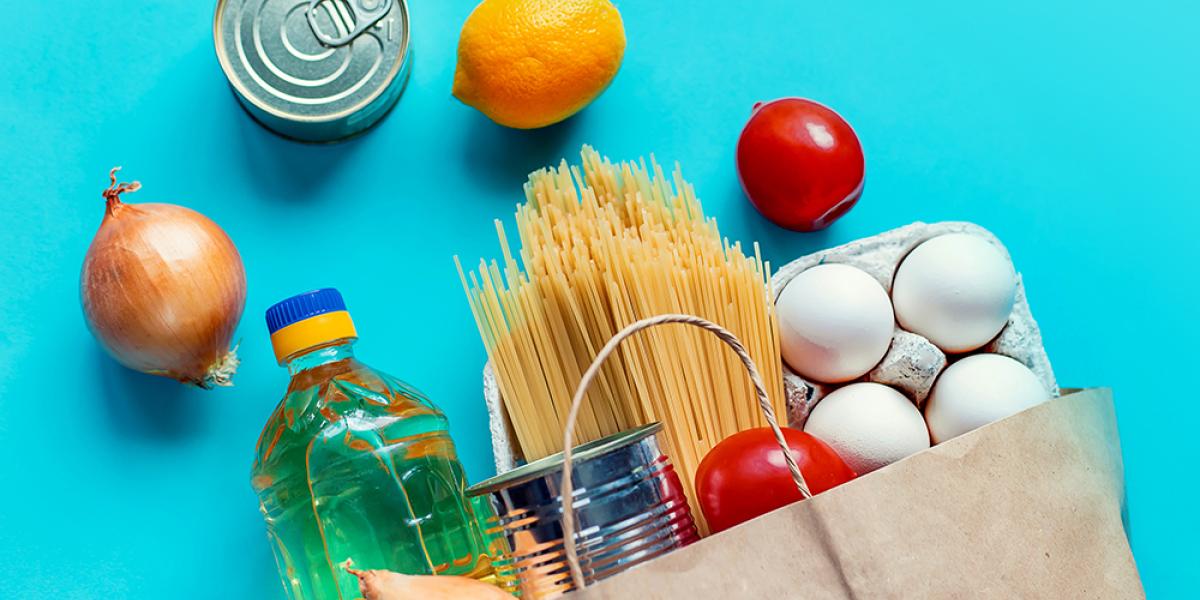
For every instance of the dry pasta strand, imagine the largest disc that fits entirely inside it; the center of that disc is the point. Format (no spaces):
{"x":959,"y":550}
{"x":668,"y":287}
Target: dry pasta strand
{"x":601,"y":246}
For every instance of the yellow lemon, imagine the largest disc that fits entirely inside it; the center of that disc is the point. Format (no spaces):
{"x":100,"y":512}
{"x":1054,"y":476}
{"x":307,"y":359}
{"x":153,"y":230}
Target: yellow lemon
{"x":532,"y":63}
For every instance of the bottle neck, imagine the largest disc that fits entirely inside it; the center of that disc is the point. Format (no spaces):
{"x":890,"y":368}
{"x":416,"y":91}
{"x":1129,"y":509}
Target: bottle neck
{"x":317,"y":356}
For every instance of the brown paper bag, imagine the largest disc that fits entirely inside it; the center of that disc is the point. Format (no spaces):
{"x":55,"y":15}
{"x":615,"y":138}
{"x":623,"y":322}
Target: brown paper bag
{"x":1027,"y":507}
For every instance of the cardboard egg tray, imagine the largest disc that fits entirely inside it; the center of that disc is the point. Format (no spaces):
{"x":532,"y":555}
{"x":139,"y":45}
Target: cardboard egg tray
{"x":912,"y":363}
{"x":504,"y":440}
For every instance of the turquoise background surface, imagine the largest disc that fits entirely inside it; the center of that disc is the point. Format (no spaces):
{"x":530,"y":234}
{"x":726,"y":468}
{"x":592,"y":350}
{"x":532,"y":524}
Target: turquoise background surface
{"x":1067,"y":128}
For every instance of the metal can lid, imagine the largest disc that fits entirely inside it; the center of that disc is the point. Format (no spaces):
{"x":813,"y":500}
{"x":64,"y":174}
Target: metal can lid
{"x":311,"y":61}
{"x":553,"y":463}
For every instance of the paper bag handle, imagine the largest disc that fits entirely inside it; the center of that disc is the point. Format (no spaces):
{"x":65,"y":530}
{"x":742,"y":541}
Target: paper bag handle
{"x":764,"y":402}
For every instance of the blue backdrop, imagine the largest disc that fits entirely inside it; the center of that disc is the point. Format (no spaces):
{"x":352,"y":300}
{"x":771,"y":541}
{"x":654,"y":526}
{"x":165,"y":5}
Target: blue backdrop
{"x":1067,"y":128}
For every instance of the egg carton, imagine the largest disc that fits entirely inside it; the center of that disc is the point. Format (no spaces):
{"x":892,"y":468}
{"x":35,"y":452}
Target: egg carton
{"x":504,"y":441}
{"x":912,"y":363}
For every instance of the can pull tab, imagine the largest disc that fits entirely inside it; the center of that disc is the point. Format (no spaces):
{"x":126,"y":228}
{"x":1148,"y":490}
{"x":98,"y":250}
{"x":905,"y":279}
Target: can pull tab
{"x":346,"y":18}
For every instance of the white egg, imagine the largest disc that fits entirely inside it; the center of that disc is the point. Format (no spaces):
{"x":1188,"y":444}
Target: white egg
{"x":977,"y":390}
{"x":957,"y":290}
{"x":870,"y":425}
{"x":835,"y":323}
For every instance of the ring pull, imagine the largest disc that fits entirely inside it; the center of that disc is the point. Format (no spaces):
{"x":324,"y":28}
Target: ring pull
{"x":349,"y":18}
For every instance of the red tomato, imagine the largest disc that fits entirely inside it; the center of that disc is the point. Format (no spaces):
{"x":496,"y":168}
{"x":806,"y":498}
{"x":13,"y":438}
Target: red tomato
{"x":745,"y":476}
{"x":800,"y":163}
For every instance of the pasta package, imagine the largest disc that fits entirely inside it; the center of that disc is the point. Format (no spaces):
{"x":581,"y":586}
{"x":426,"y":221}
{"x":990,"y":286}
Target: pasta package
{"x":603,"y":245}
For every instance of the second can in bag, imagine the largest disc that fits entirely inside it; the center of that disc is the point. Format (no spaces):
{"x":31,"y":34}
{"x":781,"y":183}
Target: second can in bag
{"x":628,"y":501}
{"x":314,"y":70}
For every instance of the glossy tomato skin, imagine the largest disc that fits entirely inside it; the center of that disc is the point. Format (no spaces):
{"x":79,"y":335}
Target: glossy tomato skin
{"x":745,"y":476}
{"x":800,"y":163}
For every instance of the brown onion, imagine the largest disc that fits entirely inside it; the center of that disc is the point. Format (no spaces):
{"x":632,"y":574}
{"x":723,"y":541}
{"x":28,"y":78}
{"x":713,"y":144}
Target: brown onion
{"x":163,"y":289}
{"x":386,"y":585}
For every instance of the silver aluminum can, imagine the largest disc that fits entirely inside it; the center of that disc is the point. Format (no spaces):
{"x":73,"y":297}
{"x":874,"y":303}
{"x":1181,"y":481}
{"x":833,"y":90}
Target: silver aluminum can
{"x":314,"y":70}
{"x":629,"y":504}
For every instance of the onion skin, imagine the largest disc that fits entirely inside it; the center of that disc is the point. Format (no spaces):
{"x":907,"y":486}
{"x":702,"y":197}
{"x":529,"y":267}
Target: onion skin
{"x":386,"y":585}
{"x":163,"y":289}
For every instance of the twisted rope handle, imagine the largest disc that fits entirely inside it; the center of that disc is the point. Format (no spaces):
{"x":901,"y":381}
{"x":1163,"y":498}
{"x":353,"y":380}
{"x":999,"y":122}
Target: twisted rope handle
{"x":764,"y":402}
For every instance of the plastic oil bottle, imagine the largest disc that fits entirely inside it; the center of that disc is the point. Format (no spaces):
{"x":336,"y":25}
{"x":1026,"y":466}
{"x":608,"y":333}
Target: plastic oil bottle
{"x":355,"y":465}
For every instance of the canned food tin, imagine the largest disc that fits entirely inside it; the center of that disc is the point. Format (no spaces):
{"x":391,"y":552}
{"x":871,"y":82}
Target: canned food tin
{"x":314,"y":70}
{"x":629,"y":505}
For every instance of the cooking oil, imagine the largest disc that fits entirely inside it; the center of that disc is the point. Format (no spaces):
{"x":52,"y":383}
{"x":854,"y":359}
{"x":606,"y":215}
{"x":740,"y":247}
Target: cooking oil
{"x":355,"y":466}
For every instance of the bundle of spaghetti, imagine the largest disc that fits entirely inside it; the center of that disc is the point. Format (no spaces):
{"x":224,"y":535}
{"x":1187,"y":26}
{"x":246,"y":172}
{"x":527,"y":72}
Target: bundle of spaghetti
{"x":600,"y":247}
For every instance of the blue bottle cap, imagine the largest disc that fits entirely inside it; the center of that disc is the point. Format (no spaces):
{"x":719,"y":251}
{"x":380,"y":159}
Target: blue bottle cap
{"x":304,"y":306}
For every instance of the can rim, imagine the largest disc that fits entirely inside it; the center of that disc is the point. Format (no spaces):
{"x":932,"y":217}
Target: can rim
{"x":243,"y":92}
{"x":553,"y":463}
